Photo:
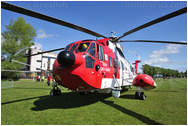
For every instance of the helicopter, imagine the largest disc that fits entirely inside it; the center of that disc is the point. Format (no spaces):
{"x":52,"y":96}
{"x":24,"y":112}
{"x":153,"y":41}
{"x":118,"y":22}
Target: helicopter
{"x":97,"y":65}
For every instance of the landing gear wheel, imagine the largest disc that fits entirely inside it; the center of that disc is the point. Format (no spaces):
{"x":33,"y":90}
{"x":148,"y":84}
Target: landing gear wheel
{"x":142,"y":96}
{"x":137,"y":95}
{"x":58,"y":92}
{"x":55,"y":91}
{"x":52,"y":93}
{"x":83,"y":93}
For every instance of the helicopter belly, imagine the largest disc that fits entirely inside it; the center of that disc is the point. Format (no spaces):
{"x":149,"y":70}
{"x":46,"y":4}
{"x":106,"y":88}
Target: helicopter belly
{"x":75,"y":82}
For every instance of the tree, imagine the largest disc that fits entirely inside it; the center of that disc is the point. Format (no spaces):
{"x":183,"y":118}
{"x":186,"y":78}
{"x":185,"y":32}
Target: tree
{"x":185,"y":73}
{"x":17,"y":36}
{"x":146,"y":69}
{"x":153,"y":71}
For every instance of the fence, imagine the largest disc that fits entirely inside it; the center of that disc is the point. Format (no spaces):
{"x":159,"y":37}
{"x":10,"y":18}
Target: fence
{"x":7,"y":84}
{"x":5,"y":74}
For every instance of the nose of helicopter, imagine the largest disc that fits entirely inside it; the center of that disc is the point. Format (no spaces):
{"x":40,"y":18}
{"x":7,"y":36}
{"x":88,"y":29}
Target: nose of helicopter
{"x":66,"y":58}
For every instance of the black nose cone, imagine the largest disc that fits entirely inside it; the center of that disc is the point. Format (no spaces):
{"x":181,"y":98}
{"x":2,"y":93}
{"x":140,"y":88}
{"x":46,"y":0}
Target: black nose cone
{"x":66,"y":58}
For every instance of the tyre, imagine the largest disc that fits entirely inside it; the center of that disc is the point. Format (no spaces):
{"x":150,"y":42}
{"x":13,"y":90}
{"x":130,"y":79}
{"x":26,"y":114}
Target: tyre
{"x":83,"y":93}
{"x":58,"y":92}
{"x":52,"y":93}
{"x":142,"y":96}
{"x":137,"y":95}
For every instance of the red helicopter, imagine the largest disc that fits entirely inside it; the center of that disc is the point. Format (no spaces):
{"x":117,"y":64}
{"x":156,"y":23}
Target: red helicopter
{"x":97,"y":65}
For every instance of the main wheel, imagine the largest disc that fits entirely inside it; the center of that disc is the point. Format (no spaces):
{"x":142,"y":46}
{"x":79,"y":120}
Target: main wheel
{"x":142,"y":96}
{"x":83,"y":93}
{"x":137,"y":95}
{"x":58,"y":92}
{"x":52,"y":93}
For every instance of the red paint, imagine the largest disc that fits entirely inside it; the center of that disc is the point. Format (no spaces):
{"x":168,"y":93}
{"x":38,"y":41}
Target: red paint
{"x":83,"y":75}
{"x":136,"y":65}
{"x":78,"y":77}
{"x":144,"y":81}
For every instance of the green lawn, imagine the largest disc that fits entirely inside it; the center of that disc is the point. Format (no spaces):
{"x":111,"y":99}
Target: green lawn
{"x":30,"y":103}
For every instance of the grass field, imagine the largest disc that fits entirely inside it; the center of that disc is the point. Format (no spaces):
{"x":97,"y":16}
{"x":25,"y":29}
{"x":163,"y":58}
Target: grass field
{"x":30,"y":103}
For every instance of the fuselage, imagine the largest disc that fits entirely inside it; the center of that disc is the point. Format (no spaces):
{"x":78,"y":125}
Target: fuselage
{"x":96,"y":63}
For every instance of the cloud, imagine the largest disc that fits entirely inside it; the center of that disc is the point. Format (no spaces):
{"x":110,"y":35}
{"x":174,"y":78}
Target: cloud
{"x":157,"y":60}
{"x":160,"y":56}
{"x":37,"y":46}
{"x":43,"y":34}
{"x":130,"y":51}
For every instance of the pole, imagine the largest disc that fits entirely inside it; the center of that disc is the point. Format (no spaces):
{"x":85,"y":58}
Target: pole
{"x":33,"y":76}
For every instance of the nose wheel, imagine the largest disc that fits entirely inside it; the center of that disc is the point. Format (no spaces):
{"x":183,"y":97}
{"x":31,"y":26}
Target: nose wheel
{"x":55,"y":91}
{"x":140,"y":95}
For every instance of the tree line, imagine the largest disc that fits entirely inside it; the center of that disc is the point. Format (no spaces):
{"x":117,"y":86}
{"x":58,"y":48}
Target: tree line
{"x":17,"y":36}
{"x":162,"y":72}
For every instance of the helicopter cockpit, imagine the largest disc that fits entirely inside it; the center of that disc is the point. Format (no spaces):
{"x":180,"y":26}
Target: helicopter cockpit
{"x":83,"y":47}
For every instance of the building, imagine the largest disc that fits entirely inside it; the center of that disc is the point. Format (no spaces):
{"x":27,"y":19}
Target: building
{"x":40,"y":62}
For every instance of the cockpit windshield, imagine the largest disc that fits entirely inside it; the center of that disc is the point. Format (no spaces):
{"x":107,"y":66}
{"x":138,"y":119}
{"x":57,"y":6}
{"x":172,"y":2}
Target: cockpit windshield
{"x":67,"y":47}
{"x":83,"y":47}
{"x":73,"y":47}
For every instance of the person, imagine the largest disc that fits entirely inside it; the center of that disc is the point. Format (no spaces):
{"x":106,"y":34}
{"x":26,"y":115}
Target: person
{"x":53,"y":81}
{"x":82,"y":47}
{"x":164,"y":78}
{"x":37,"y":78}
{"x":42,"y":78}
{"x":49,"y":78}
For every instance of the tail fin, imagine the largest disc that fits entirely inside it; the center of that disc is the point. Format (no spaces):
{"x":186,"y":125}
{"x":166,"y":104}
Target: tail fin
{"x":136,"y":65}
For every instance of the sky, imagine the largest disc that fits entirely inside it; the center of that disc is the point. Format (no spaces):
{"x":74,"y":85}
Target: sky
{"x":106,"y":16}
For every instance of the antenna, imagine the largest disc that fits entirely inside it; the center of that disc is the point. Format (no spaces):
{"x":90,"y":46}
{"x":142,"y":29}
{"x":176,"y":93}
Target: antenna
{"x":112,"y":32}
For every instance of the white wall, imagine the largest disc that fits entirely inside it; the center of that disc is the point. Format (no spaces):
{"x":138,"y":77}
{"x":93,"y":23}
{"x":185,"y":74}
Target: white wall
{"x":41,"y":61}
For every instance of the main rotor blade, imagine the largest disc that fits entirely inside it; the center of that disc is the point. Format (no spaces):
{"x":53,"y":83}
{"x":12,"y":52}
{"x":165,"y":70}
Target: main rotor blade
{"x":45,"y":52}
{"x":168,"y":16}
{"x":153,"y":41}
{"x":27,"y":12}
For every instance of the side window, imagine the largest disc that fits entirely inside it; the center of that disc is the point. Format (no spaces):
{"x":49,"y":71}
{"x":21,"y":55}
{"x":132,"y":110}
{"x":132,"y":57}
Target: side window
{"x":126,"y":67}
{"x":132,"y":69}
{"x":100,"y":53}
{"x":110,"y":61}
{"x":119,"y":65}
{"x":90,"y":62}
{"x":115,"y":63}
{"x":122,"y":65}
{"x":91,"y":50}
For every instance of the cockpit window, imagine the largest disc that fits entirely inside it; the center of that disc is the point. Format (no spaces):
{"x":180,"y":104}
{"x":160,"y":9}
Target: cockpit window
{"x":83,"y":47}
{"x":67,"y":47}
{"x":131,"y":68}
{"x":73,"y":47}
{"x":91,"y":50}
{"x":100,"y":53}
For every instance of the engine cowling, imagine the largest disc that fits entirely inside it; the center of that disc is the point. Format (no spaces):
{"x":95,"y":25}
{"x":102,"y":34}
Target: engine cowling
{"x":144,"y":81}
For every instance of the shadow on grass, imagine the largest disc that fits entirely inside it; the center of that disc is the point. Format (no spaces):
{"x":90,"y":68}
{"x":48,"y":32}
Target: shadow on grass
{"x":128,"y":97}
{"x":74,"y":100}
{"x":140,"y":117}
{"x":68,"y":100}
